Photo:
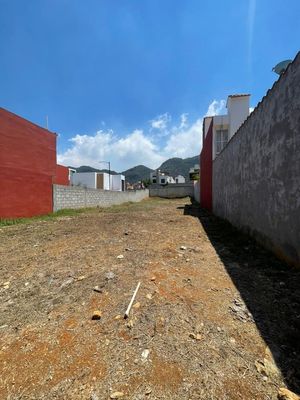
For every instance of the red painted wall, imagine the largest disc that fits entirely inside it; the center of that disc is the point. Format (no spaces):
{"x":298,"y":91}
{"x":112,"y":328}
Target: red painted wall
{"x":62,"y":175}
{"x":206,"y":170}
{"x":28,"y":167}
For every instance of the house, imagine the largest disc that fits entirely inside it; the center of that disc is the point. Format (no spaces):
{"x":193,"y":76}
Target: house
{"x":63,"y":175}
{"x":28,"y":167}
{"x":99,"y":180}
{"x":161,"y":178}
{"x":217,"y":131}
{"x":179,"y":179}
{"x":194,"y":172}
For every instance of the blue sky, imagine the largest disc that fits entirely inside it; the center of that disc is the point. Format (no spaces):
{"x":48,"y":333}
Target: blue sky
{"x":129,"y":81}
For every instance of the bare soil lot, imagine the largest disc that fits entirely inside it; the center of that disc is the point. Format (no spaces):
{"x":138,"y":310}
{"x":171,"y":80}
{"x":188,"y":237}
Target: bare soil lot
{"x":216,"y":316}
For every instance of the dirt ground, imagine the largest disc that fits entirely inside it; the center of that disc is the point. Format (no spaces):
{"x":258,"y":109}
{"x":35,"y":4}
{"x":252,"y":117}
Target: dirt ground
{"x":216,"y":316}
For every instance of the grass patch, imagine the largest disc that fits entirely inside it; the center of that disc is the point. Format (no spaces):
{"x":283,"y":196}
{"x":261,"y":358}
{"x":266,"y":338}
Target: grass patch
{"x":144,"y":205}
{"x":60,"y":213}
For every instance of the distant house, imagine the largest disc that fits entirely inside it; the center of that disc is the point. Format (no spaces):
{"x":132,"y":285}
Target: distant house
{"x":217,"y":131}
{"x":179,"y":179}
{"x":194,"y":173}
{"x":160,"y":177}
{"x":99,"y":180}
{"x":63,"y":175}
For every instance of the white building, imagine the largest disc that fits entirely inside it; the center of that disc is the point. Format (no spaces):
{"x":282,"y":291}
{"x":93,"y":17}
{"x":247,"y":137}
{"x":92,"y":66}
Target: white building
{"x":225,"y":126}
{"x":179,"y":179}
{"x":99,"y":180}
{"x":161,"y":178}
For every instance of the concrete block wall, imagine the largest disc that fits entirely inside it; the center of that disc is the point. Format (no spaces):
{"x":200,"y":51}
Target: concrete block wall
{"x":78,"y":197}
{"x":172,"y":191}
{"x":256,"y":178}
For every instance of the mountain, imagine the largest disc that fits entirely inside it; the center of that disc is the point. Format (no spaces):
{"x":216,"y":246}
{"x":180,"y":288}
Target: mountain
{"x":179,"y":166}
{"x":136,"y":174}
{"x":174,"y":166}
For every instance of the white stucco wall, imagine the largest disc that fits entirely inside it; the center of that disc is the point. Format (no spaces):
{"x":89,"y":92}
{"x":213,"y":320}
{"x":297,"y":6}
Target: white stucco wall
{"x":180,"y":179}
{"x":84,"y":179}
{"x":238,"y":111}
{"x":116,"y":182}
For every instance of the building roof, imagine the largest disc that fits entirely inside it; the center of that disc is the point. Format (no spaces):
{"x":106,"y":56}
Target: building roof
{"x":238,"y":95}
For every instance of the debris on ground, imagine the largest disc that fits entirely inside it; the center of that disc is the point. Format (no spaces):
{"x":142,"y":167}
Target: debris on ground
{"x":285,"y":394}
{"x":183,"y":339}
{"x":240,"y":311}
{"x":97,"y":315}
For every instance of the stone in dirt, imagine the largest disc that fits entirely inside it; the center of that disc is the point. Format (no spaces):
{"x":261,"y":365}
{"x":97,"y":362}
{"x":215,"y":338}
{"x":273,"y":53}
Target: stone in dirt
{"x":116,"y":395}
{"x":183,"y":247}
{"x":285,"y":394}
{"x":97,"y":314}
{"x":97,"y":289}
{"x":94,"y":396}
{"x":145,"y":354}
{"x":120,"y":256}
{"x":80,"y":278}
{"x":109,"y":275}
{"x":136,"y":305}
{"x":267,"y":367}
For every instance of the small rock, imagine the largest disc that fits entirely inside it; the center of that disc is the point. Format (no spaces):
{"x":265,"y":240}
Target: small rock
{"x":94,"y":396}
{"x":153,"y":278}
{"x":128,"y":249}
{"x":66,"y":283}
{"x":198,"y":336}
{"x":118,"y":316}
{"x":285,"y":394}
{"x":265,"y":378}
{"x":192,"y":335}
{"x":130,"y":324}
{"x":145,"y":354}
{"x":107,"y":341}
{"x":219,"y":329}
{"x":136,"y":305}
{"x":187,"y":259}
{"x":149,"y":296}
{"x":183,"y":247}
{"x":120,"y":256}
{"x":97,"y":315}
{"x":109,"y":275}
{"x":97,"y":289}
{"x":116,"y":395}
{"x":148,"y":391}
{"x":281,"y":284}
{"x":26,"y":284}
{"x":126,"y":233}
{"x":80,"y":278}
{"x":232,"y":340}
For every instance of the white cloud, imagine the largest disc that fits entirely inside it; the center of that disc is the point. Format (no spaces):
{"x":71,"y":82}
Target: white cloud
{"x":161,"y":122}
{"x":215,"y":108}
{"x":139,"y":147}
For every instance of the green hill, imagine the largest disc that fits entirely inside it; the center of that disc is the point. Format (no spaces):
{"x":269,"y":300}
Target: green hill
{"x":136,"y":174}
{"x":179,"y":166}
{"x":174,"y":166}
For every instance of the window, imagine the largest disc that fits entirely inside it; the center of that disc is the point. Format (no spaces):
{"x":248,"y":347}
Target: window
{"x":163,"y":180}
{"x":221,"y":139}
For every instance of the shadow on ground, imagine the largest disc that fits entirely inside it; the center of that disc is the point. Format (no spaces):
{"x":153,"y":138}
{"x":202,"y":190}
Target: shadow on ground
{"x":269,"y":288}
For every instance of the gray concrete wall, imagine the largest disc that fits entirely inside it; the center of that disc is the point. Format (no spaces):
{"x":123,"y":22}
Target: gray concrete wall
{"x":197,"y":191}
{"x":78,"y":197}
{"x":172,"y":191}
{"x":256,"y":178}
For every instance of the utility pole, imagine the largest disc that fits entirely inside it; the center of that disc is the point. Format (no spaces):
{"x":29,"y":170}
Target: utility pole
{"x":107,"y":162}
